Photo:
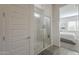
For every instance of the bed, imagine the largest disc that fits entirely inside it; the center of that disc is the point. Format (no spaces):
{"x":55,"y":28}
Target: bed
{"x":68,"y":38}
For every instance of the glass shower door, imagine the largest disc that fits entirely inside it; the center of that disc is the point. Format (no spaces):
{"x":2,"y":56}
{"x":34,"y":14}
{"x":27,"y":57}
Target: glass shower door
{"x":46,"y":30}
{"x":38,"y":31}
{"x":42,"y":24}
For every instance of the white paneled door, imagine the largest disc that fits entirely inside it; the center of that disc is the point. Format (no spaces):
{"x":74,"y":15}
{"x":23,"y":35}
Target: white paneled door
{"x":3,"y":42}
{"x":15,"y":38}
{"x":1,"y":31}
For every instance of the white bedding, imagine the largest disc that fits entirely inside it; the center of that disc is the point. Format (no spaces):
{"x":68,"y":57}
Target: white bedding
{"x":68,"y":35}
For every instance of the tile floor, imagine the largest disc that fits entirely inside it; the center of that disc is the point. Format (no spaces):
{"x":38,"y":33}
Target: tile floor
{"x":71,"y":47}
{"x":54,"y":50}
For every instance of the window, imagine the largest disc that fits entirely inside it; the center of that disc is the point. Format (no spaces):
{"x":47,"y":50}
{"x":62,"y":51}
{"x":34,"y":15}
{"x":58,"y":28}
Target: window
{"x":72,"y":26}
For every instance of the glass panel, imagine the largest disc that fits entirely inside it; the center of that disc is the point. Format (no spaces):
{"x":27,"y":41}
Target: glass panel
{"x":46,"y":28}
{"x":42,"y":30}
{"x":39,"y":32}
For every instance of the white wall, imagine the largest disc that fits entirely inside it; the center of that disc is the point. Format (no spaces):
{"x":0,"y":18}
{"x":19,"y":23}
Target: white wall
{"x":55,"y":25}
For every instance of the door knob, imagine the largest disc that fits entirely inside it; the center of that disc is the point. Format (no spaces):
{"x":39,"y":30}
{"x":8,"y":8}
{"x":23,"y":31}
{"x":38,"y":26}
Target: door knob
{"x":28,"y":37}
{"x":3,"y":37}
{"x":3,"y":14}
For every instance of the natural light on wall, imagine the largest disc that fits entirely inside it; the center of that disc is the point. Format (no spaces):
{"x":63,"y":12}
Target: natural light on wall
{"x":69,"y":15}
{"x":68,"y":11}
{"x":36,"y":15}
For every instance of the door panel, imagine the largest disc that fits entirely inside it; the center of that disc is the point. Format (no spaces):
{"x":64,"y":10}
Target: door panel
{"x":18,"y":29}
{"x":1,"y":27}
{"x":3,"y":42}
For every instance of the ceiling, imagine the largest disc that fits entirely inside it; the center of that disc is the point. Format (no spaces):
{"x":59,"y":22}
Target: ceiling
{"x":68,"y":10}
